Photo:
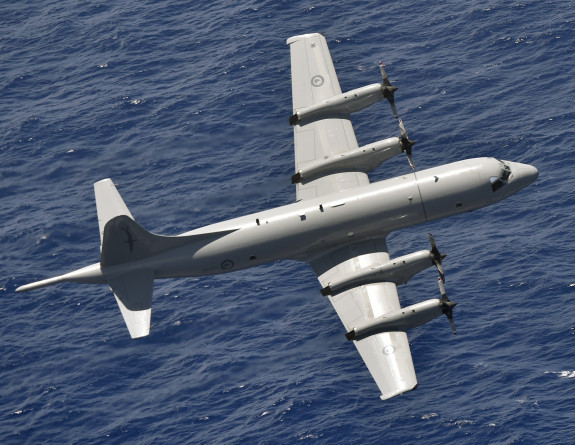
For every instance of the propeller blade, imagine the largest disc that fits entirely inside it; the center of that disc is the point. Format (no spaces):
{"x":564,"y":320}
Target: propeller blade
{"x":406,"y":144}
{"x":437,"y":257}
{"x":452,"y":324}
{"x":388,"y":92}
{"x":386,"y":81}
{"x":446,"y":305}
{"x":388,"y":89}
{"x":410,"y":160}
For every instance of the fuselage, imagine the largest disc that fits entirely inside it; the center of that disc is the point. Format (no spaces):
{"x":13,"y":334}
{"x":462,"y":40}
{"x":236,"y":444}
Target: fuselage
{"x":304,"y":229}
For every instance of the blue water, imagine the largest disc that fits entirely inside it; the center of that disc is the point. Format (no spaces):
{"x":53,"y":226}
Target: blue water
{"x":185,"y":105}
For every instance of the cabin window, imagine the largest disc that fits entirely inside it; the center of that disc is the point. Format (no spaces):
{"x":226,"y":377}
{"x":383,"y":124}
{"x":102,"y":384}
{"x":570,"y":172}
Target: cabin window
{"x":499,"y":181}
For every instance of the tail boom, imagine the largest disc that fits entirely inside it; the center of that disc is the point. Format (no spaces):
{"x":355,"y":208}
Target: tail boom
{"x":89,"y":275}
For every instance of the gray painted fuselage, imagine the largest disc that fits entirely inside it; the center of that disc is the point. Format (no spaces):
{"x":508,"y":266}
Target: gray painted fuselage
{"x":304,"y":229}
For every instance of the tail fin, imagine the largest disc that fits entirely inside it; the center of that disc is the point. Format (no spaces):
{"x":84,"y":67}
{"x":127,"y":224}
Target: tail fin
{"x":125,"y":247}
{"x":122,"y":240}
{"x":109,"y":203}
{"x":125,"y":241}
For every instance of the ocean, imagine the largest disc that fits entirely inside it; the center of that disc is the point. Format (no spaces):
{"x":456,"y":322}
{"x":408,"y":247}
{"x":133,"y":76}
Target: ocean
{"x":185,"y":105}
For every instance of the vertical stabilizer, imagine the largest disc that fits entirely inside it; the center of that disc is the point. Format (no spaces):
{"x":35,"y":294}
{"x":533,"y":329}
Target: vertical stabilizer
{"x":133,"y":290}
{"x":129,"y":258}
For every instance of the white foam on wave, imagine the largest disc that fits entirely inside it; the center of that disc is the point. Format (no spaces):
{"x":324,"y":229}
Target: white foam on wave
{"x":562,"y":374}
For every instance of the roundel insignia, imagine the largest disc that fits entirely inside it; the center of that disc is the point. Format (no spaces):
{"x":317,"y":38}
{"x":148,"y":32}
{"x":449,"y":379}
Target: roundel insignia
{"x":389,"y":349}
{"x":227,"y":264}
{"x":317,"y":81}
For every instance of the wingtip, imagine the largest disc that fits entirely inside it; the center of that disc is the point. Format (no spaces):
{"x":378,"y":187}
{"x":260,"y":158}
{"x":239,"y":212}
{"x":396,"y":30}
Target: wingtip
{"x":293,"y":39}
{"x":399,"y":392}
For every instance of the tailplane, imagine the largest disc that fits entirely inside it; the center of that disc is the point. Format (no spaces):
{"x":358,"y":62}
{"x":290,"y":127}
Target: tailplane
{"x":133,"y":292}
{"x":123,"y":241}
{"x":126,"y":258}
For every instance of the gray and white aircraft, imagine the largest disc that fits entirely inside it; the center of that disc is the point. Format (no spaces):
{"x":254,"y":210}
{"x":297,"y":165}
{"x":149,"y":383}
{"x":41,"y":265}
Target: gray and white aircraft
{"x":338,"y":224}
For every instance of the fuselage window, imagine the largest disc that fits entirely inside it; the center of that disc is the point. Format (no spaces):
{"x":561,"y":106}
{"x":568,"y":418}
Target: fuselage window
{"x":496,"y":183}
{"x":499,"y":181}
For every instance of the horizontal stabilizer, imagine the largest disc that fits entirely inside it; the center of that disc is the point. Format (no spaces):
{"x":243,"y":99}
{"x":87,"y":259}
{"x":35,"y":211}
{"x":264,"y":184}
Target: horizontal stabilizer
{"x":133,"y":292}
{"x":128,"y":260}
{"x":109,"y":203}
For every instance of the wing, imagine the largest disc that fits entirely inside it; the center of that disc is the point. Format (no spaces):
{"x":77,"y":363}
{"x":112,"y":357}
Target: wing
{"x":330,"y":137}
{"x":387,"y":355}
{"x":314,"y":80}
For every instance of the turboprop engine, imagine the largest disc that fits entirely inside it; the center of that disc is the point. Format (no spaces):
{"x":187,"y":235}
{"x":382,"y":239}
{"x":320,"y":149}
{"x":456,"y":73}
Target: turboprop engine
{"x":405,"y":318}
{"x":341,"y":104}
{"x":364,"y":159}
{"x":398,"y":271}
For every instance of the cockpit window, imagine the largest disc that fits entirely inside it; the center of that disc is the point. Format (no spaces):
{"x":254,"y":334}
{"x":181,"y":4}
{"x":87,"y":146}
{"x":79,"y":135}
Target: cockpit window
{"x":499,"y":181}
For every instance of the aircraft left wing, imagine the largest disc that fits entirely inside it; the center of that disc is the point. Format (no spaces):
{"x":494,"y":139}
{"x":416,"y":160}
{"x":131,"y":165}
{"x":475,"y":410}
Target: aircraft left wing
{"x":327,"y":157}
{"x":313,"y":81}
{"x":387,"y":354}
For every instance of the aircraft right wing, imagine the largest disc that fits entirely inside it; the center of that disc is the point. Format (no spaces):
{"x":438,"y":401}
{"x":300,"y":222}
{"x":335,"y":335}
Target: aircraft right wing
{"x":387,"y":354}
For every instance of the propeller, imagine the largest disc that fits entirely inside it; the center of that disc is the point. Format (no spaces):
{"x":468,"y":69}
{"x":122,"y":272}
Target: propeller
{"x":446,"y":305}
{"x":388,"y":93}
{"x":406,"y":144}
{"x":388,"y":89}
{"x":437,"y":257}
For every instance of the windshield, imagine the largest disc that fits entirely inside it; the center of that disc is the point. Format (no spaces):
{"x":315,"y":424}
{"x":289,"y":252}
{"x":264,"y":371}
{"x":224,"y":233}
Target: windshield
{"x":499,"y":181}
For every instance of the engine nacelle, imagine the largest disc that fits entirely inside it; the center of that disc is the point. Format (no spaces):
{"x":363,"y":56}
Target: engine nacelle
{"x":342,"y":104}
{"x":401,"y":320}
{"x":364,"y":159}
{"x":398,"y":271}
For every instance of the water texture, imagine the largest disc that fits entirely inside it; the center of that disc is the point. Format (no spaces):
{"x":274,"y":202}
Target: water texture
{"x":185,"y":105}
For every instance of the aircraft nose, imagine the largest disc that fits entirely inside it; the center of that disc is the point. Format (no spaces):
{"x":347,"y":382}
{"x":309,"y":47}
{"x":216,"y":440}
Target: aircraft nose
{"x":522,"y":174}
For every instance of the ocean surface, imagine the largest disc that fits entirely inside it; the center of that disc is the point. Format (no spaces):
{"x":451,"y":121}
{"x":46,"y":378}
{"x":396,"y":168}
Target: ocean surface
{"x":185,"y":106}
